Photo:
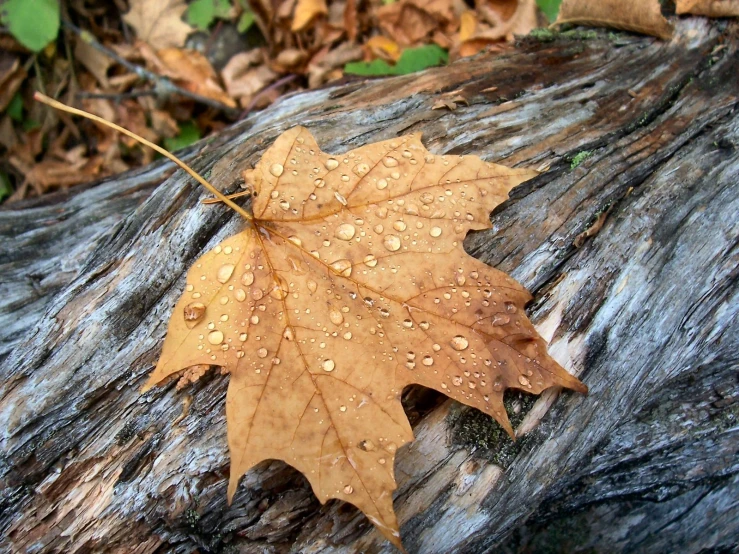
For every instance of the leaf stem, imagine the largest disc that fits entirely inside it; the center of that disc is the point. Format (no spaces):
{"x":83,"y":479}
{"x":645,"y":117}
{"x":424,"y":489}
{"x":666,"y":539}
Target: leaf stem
{"x":63,"y":107}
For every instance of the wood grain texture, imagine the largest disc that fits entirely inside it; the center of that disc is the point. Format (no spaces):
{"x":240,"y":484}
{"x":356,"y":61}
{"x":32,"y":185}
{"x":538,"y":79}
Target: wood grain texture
{"x":644,"y":312}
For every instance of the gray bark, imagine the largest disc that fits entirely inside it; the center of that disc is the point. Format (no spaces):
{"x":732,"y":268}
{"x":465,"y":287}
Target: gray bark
{"x":644,"y":312}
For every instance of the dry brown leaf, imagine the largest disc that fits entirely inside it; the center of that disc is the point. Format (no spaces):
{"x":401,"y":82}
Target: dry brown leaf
{"x":410,"y":22}
{"x":642,"y":16}
{"x":350,"y":283}
{"x":245,"y":75}
{"x":350,"y":19}
{"x":506,"y":18}
{"x":711,"y":8}
{"x":192,"y":71}
{"x":12,"y":75}
{"x":306,"y":11}
{"x":159,"y":23}
{"x":94,"y":60}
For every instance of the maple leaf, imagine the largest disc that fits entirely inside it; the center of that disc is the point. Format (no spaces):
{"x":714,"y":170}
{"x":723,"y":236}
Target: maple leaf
{"x":159,"y":23}
{"x":350,"y":283}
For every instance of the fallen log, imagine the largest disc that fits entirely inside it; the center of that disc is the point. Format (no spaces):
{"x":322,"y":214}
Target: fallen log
{"x":628,"y":240}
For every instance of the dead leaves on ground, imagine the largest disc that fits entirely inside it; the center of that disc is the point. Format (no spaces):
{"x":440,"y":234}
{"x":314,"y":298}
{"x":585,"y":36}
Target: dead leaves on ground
{"x":305,"y":43}
{"x":350,"y":283}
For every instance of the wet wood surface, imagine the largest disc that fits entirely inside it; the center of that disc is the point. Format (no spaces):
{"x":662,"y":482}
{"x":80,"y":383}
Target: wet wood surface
{"x":628,"y":241}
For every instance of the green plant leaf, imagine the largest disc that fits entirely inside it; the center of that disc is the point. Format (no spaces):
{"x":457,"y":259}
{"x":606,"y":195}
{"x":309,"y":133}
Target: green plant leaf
{"x":34,"y":23}
{"x":411,"y":60}
{"x":550,"y":8}
{"x":189,"y":134}
{"x":202,"y":13}
{"x":245,"y":21}
{"x":15,"y":108}
{"x":6,"y":188}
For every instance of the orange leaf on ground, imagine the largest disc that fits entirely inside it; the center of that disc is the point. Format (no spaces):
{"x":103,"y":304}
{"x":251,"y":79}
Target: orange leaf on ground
{"x":711,"y":8}
{"x":159,"y":23}
{"x":306,"y":11}
{"x":642,"y":16}
{"x":350,"y":283}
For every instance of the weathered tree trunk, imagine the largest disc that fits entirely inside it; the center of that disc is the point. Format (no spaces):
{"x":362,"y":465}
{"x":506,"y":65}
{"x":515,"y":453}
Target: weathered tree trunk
{"x":638,"y":134}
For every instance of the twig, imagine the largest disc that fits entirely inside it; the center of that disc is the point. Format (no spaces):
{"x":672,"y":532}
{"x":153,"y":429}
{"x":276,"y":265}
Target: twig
{"x":162,"y":85}
{"x":223,"y":198}
{"x":116,"y":96}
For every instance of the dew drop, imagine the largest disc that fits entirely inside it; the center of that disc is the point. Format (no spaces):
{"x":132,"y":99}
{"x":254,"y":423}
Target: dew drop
{"x":435,"y":232}
{"x":510,"y":308}
{"x":262,"y":352}
{"x":367,"y":445}
{"x":348,"y":489}
{"x":361,"y":169}
{"x":400,"y":225}
{"x":389,"y":161}
{"x":280,"y":290}
{"x":382,"y":184}
{"x":459,"y":343}
{"x":524,"y":381}
{"x":312,"y":286}
{"x":276,"y":169}
{"x":240,"y":295}
{"x":332,"y":164}
{"x":407,"y":323}
{"x":295,"y":240}
{"x":194,"y":311}
{"x":254,"y":319}
{"x":370,"y":260}
{"x":243,"y":337}
{"x":288,"y":334}
{"x":215,"y":337}
{"x":342,"y":267}
{"x":345,"y":231}
{"x":247,"y":278}
{"x":285,"y":205}
{"x":224,"y":272}
{"x":342,"y":408}
{"x":424,"y":325}
{"x":391,"y":242}
{"x":457,"y":381}
{"x":381,"y":461}
{"x":500,"y":319}
{"x":498,"y":385}
{"x":428,"y":361}
{"x":391,"y":447}
{"x":257,"y":294}
{"x":328,"y":365}
{"x":347,"y":335}
{"x":336,"y":316}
